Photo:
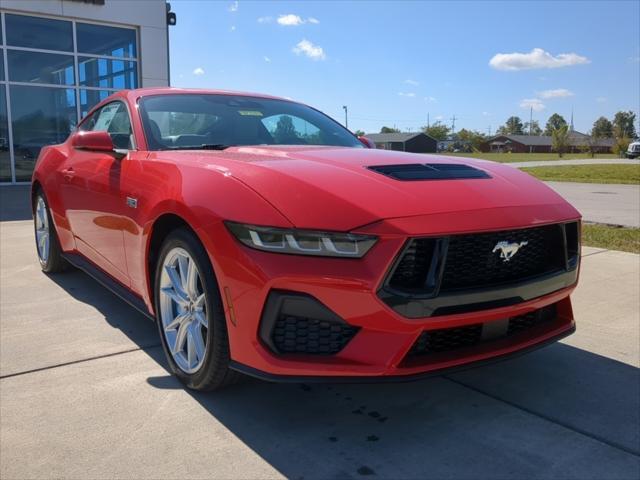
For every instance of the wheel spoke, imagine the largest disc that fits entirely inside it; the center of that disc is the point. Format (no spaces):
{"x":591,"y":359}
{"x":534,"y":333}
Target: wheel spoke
{"x":191,"y":285}
{"x":181,"y":337}
{"x":173,"y":295}
{"x":176,"y":322}
{"x":201,"y":318}
{"x":176,"y":283}
{"x":192,"y":356}
{"x":183,"y":267}
{"x":198,"y":341}
{"x":199,"y":302}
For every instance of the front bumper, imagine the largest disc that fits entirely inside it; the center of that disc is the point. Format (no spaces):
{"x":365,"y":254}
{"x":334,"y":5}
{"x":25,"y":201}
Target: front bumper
{"x":349,"y":289}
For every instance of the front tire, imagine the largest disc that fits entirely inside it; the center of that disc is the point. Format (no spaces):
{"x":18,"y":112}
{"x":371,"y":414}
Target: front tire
{"x":47,"y":243}
{"x":190,"y":315}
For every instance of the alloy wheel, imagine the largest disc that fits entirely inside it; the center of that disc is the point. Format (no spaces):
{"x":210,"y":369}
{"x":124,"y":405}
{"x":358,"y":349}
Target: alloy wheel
{"x":42,"y":230}
{"x":183,"y":311}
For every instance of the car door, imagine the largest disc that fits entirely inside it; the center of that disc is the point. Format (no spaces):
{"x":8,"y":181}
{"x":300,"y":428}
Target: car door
{"x":92,"y":193}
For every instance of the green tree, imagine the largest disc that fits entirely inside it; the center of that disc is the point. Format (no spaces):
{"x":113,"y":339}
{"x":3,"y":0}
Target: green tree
{"x":621,"y":140}
{"x":471,"y":139}
{"x":359,"y":133}
{"x":285,"y":131}
{"x":438,"y":131}
{"x":602,"y":128}
{"x":625,"y":122}
{"x":532,"y":128}
{"x":513,"y":126}
{"x":555,"y":122}
{"x":560,"y":139}
{"x":389,"y":130}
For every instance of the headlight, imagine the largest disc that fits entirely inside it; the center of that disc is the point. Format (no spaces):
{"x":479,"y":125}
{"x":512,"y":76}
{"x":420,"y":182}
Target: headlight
{"x":302,"y":242}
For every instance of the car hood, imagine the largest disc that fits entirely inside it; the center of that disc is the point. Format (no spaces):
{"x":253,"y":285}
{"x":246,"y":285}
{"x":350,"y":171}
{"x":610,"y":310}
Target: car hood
{"x":332,"y":188}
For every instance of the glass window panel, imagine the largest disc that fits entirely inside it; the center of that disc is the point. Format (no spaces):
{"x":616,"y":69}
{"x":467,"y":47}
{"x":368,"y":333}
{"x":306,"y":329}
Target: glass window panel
{"x":34,"y":32}
{"x":102,"y":40}
{"x":1,"y":64}
{"x":40,"y":116}
{"x":106,"y":73}
{"x":5,"y":160}
{"x":36,"y":67}
{"x":90,"y":98}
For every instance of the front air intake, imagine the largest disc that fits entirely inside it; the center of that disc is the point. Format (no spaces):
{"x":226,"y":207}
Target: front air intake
{"x":430,"y":171}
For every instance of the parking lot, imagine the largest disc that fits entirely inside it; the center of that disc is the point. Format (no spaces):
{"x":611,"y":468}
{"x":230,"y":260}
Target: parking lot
{"x":84,"y":393}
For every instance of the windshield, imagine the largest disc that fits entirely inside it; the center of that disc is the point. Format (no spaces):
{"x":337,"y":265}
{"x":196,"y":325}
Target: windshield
{"x":196,"y":121}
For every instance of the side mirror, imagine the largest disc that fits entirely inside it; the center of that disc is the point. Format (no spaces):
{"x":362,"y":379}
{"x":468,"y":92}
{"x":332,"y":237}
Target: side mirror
{"x":367,"y":142}
{"x":96,"y":141}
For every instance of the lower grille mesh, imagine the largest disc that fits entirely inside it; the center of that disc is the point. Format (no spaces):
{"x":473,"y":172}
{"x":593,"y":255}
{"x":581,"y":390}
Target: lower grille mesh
{"x":293,"y":334}
{"x":448,"y":339}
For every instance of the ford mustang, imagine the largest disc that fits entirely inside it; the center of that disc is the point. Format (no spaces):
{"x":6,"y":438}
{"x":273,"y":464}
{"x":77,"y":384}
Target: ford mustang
{"x":265,"y":239}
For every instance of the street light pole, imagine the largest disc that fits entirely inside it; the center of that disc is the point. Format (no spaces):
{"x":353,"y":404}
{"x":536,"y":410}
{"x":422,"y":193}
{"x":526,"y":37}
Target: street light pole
{"x":346,"y":116}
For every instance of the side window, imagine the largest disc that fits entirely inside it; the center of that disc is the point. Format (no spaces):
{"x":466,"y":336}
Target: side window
{"x":114,"y":119}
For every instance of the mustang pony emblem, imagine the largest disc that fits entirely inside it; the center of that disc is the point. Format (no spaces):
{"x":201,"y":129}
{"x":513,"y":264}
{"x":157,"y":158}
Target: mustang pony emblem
{"x":508,"y":250}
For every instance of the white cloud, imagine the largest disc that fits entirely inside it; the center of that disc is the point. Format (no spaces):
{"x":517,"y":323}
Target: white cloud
{"x":267,"y":59}
{"x":439,"y":117}
{"x":430,"y":99}
{"x":265,"y":19}
{"x":234,"y":7}
{"x":290,"y":20}
{"x":411,"y":82}
{"x":406,"y":94}
{"x":601,"y":99}
{"x":198,"y":71}
{"x":635,"y":59}
{"x":486,"y":114}
{"x":556,"y":93}
{"x":312,"y":51}
{"x":233,"y":28}
{"x":536,"y":58}
{"x":534,"y":103}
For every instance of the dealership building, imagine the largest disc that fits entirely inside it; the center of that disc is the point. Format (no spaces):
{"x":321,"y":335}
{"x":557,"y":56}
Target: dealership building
{"x":58,"y":58}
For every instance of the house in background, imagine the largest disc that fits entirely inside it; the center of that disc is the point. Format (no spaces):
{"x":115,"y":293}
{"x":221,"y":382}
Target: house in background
{"x":416,"y":142}
{"x":543,"y":143}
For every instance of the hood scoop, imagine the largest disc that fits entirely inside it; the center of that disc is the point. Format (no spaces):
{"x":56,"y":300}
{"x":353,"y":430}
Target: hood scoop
{"x":430,"y":171}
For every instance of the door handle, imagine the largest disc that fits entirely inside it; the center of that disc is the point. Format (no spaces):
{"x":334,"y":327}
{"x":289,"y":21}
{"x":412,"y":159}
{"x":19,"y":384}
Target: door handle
{"x":68,"y":173}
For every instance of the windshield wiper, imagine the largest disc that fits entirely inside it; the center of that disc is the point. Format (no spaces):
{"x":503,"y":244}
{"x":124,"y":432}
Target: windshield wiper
{"x":204,"y":146}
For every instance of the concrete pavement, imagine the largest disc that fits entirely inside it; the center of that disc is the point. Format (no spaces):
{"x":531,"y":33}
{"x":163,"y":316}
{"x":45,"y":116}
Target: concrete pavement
{"x":585,"y":161}
{"x":614,"y":204}
{"x":84,"y":393}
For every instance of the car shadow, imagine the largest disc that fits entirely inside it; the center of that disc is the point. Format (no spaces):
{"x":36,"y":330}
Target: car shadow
{"x":15,"y":203}
{"x":558,"y":412}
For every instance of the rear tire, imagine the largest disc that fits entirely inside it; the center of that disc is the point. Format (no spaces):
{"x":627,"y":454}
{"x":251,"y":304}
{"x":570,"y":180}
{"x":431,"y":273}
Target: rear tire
{"x":47,"y":243}
{"x":190,"y":315}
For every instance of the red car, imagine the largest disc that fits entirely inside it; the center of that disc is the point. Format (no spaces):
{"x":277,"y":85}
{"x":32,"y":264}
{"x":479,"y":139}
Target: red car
{"x":264,"y":238}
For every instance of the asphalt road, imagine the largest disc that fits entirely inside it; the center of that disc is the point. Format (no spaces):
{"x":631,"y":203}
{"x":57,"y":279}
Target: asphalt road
{"x":84,"y":393}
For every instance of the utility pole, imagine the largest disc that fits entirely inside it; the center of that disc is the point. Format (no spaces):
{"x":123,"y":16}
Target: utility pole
{"x":346,"y":116}
{"x":530,"y":120}
{"x":489,"y":130}
{"x":453,"y":124}
{"x":428,"y":123}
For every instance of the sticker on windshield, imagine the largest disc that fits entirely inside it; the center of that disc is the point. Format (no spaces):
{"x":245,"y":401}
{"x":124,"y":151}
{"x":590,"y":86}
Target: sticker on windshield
{"x":250,"y":113}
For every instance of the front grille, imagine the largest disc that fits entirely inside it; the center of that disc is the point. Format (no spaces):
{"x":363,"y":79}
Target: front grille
{"x":473,"y":261}
{"x":449,"y":339}
{"x":292,"y":334}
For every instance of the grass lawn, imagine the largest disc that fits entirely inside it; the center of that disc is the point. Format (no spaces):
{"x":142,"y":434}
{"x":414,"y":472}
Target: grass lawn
{"x":588,"y":173}
{"x":529,"y":157}
{"x":612,"y":238}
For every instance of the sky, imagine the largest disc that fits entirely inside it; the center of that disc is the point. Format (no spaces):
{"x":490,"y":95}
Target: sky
{"x":403,"y":63}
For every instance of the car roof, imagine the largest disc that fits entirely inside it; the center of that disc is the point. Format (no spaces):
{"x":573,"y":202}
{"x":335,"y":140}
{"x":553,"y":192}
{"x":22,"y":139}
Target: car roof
{"x":145,"y":92}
